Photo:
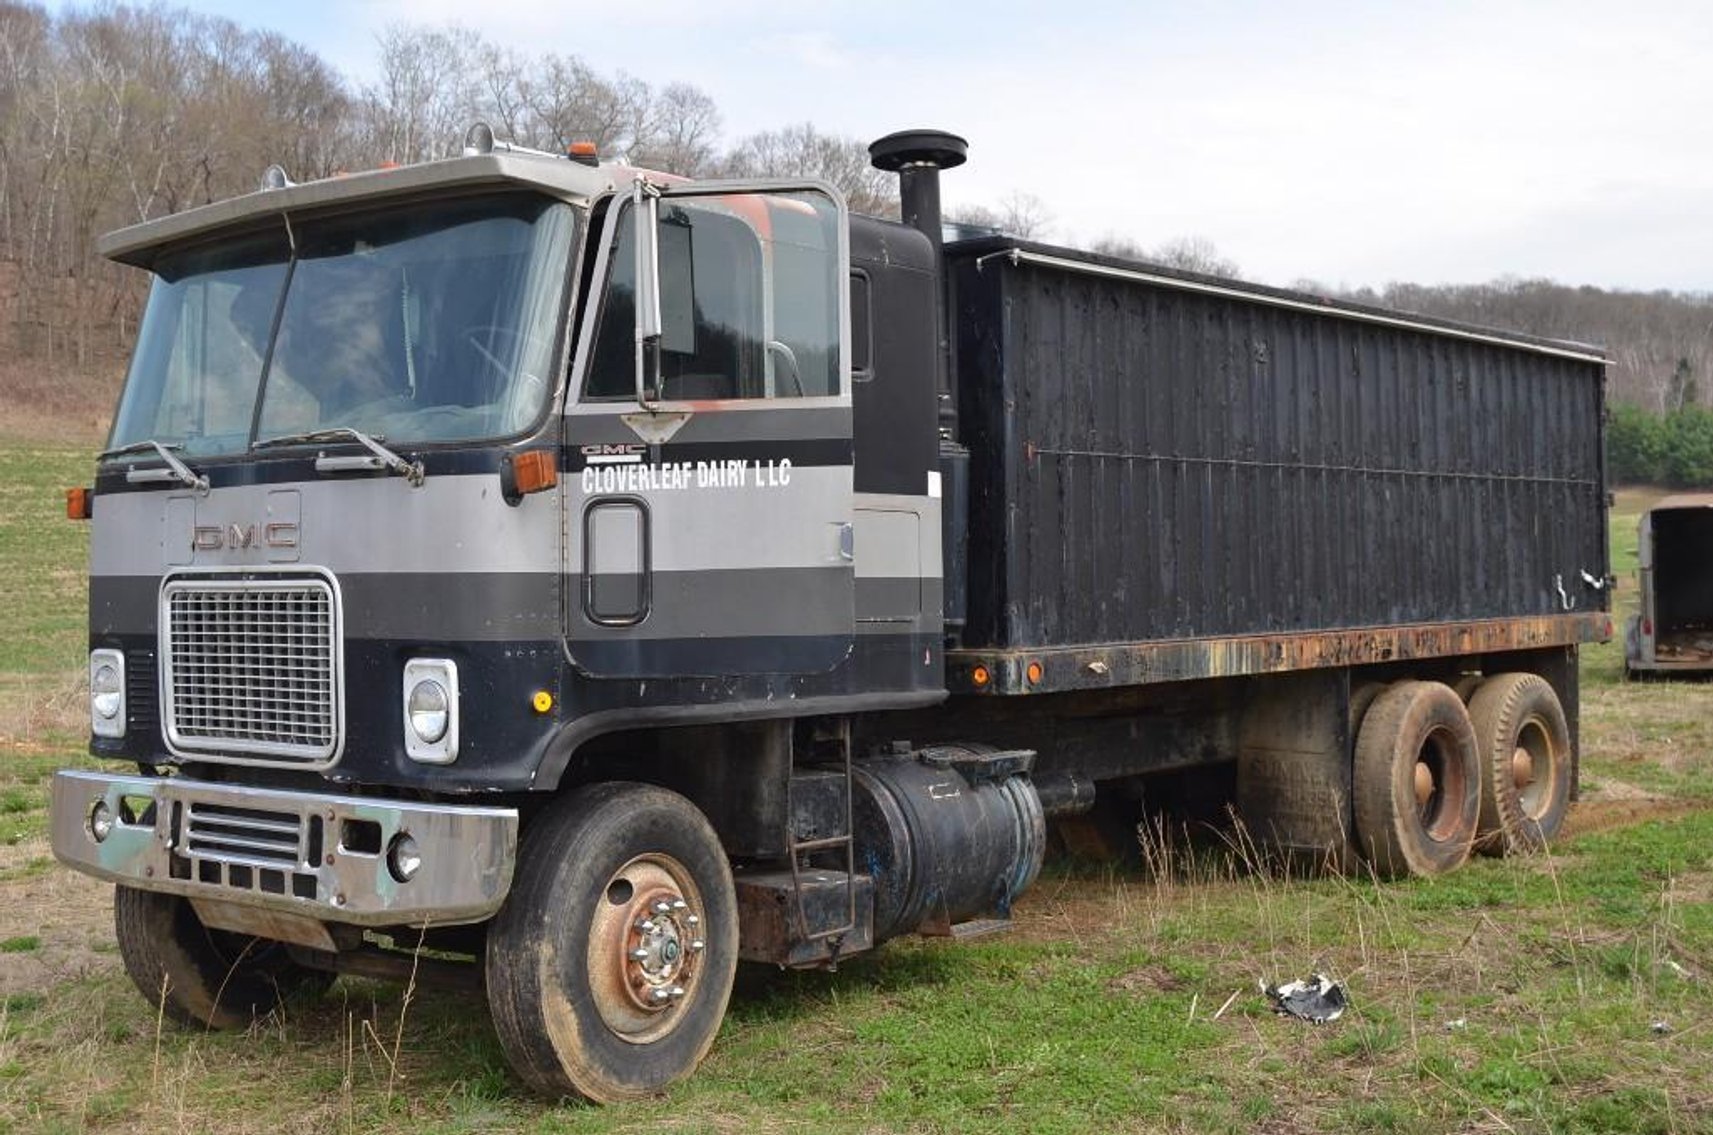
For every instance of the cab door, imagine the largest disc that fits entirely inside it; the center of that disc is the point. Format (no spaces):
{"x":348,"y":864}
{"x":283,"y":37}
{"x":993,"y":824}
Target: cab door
{"x":710,"y":457}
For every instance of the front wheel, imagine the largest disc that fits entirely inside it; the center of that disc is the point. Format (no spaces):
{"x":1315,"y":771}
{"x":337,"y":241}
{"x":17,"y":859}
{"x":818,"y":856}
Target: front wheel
{"x":199,"y":976}
{"x":611,"y":963}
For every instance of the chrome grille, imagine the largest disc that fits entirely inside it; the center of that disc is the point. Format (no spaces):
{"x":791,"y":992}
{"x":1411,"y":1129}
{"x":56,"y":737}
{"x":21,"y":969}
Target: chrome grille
{"x":247,"y":849}
{"x":250,"y":668}
{"x":216,"y":831}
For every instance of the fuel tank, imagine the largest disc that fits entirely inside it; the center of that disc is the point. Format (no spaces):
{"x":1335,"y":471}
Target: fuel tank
{"x":949,"y":833}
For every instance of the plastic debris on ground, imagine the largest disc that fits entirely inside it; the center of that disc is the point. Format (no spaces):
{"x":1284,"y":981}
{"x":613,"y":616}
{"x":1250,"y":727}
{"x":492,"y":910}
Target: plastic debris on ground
{"x":1661,"y":1028}
{"x":1317,"y":1000}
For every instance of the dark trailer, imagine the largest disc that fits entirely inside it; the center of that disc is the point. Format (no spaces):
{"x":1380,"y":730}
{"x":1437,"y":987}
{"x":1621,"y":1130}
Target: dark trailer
{"x":1181,"y":487}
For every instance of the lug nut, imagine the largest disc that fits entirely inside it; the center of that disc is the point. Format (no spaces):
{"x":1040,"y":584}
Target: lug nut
{"x":676,"y":992}
{"x":692,"y":920}
{"x":646,"y":926}
{"x":662,"y":907}
{"x":660,"y":995}
{"x":679,"y":904}
{"x":639,"y":955}
{"x":697,"y":945}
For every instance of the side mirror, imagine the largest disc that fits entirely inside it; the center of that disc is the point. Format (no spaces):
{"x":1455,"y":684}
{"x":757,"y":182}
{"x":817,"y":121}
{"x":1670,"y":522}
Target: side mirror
{"x":645,"y":201}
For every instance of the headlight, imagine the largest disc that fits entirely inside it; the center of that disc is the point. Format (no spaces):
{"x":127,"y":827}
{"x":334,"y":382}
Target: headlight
{"x":404,"y":857}
{"x":100,"y":821}
{"x":431,"y":710}
{"x":107,"y":693}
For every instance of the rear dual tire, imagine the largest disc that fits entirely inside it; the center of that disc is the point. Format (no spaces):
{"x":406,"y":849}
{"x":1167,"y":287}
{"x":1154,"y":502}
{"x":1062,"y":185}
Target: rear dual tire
{"x":1525,"y":750}
{"x":1416,"y":781}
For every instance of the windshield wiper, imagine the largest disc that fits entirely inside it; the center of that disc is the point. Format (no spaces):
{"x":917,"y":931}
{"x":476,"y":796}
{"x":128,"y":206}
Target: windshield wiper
{"x":175,"y":470}
{"x":378,"y":457}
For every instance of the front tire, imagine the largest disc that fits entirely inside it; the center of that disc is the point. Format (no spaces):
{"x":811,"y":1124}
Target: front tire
{"x":1416,"y":781}
{"x":200,"y":976}
{"x":611,"y":963}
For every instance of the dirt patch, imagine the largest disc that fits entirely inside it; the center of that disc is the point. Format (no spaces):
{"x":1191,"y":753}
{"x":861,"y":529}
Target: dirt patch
{"x":70,"y":916}
{"x":1148,"y":979}
{"x":1617,"y":803}
{"x":1694,"y":887}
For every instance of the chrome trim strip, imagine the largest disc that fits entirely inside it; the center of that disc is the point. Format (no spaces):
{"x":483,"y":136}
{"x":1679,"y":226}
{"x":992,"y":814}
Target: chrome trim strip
{"x":468,"y":852}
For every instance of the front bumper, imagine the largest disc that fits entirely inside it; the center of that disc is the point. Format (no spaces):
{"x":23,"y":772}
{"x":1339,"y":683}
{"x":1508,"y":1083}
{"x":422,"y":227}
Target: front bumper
{"x":303,"y":853}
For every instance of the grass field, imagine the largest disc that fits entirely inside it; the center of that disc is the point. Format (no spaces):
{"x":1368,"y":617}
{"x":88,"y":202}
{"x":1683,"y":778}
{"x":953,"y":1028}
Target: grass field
{"x":1568,"y":992}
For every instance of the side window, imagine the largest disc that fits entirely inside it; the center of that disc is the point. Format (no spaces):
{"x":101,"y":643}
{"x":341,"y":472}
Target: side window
{"x":749,"y":300}
{"x":862,"y":333}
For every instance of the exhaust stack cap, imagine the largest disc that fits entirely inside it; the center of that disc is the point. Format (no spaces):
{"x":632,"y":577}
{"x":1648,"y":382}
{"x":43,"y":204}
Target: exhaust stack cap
{"x":936,"y":149}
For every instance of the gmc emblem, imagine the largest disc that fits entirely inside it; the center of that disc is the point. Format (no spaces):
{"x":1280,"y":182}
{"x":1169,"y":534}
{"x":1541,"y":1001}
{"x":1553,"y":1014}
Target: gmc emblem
{"x":213,"y":537}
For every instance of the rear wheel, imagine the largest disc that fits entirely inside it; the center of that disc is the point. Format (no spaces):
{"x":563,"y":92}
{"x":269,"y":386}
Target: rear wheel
{"x":1416,"y":781}
{"x":199,"y":976}
{"x":1525,"y":762}
{"x":610,"y":965}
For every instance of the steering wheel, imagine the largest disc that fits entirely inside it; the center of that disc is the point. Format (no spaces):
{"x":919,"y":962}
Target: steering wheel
{"x":788,"y":357}
{"x":478,"y":337}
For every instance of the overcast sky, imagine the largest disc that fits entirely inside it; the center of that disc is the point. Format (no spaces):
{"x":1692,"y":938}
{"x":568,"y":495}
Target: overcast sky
{"x":1348,"y":143}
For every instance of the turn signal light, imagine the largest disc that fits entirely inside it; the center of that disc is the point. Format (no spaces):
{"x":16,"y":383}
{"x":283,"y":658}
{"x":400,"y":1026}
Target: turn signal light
{"x":1034,"y":673}
{"x":981,"y":676}
{"x":532,"y":471}
{"x":79,"y":504}
{"x":536,"y":470}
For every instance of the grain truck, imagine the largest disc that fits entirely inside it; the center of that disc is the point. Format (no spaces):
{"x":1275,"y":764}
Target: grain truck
{"x":586,"y":579}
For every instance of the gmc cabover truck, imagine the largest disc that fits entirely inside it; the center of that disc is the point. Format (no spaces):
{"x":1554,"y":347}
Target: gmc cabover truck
{"x":602,"y":577}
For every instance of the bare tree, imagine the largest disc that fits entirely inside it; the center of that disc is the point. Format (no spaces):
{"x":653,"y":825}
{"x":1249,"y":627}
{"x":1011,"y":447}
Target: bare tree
{"x":1019,"y":214}
{"x":426,"y":93}
{"x":803,"y":151}
{"x":679,"y":132}
{"x":1190,"y":254}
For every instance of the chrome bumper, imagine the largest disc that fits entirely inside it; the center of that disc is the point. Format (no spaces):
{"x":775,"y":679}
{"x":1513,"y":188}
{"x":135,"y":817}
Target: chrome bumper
{"x":319,"y":856}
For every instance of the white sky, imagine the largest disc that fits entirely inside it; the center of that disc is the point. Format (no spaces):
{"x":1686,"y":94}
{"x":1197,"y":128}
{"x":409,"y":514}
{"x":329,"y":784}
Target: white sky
{"x":1349,"y":143}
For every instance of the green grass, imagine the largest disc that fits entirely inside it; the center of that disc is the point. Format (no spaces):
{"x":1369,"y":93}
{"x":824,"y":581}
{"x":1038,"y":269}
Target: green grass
{"x":1557,"y":970}
{"x":1515,"y":995}
{"x":43,"y":620}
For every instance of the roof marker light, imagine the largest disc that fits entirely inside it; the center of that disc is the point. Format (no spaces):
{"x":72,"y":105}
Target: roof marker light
{"x":479,"y":139}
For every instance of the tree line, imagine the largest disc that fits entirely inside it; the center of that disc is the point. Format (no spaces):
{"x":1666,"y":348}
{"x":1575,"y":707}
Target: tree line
{"x":116,"y":115}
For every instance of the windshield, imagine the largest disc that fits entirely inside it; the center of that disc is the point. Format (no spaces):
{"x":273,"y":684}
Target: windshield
{"x":435,"y":323}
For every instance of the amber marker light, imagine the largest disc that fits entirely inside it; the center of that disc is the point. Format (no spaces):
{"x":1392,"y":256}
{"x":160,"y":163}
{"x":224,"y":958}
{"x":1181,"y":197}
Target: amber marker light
{"x":532,"y":471}
{"x":583,"y":153}
{"x":536,"y":470}
{"x":981,"y":676}
{"x":1034,"y":673}
{"x":79,"y":504}
{"x":542,"y":701}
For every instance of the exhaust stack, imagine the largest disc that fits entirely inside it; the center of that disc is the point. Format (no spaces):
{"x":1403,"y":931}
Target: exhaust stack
{"x":917,"y":157}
